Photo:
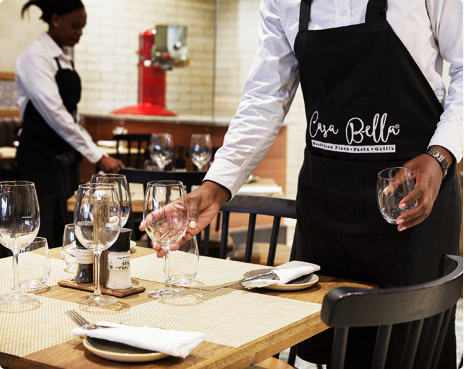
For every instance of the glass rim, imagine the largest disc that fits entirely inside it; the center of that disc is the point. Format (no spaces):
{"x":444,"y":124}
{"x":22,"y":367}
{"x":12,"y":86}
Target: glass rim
{"x":407,"y":170}
{"x":165,"y":183}
{"x":109,"y":175}
{"x":16,"y":183}
{"x":95,"y":185}
{"x":39,"y":238}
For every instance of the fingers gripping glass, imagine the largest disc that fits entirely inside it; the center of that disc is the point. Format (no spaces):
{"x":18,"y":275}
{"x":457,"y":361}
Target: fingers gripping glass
{"x":166,"y":220}
{"x":393,"y":185}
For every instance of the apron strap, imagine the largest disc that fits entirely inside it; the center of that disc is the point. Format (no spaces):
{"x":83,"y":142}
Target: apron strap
{"x":58,"y":63}
{"x":305,"y":9}
{"x":376,"y":10}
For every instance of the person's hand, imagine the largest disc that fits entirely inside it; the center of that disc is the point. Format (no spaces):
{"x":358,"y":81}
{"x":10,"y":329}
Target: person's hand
{"x":428,"y":176}
{"x":203,"y":205}
{"x":110,"y":165}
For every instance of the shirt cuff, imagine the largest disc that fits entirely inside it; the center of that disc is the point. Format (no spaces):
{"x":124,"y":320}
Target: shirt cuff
{"x":227,"y":174}
{"x":451,"y":142}
{"x":95,"y":156}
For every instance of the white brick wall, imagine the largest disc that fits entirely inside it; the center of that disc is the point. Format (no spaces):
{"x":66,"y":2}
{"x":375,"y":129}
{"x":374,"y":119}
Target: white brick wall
{"x":106,"y":57}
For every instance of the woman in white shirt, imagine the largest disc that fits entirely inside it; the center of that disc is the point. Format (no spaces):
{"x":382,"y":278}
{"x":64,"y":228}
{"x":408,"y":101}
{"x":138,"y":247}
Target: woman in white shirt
{"x":370,"y":73}
{"x":51,"y":141}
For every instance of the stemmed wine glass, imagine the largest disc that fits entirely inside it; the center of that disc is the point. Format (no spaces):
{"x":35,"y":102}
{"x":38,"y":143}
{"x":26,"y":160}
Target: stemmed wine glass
{"x":201,"y":150}
{"x":393,"y":184}
{"x":97,"y":221}
{"x":166,"y":220}
{"x":161,"y":149}
{"x":19,"y":225}
{"x":122,"y":189}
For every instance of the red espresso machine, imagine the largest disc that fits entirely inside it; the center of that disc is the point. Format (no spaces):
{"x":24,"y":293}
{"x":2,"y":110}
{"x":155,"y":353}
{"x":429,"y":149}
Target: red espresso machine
{"x":160,"y":49}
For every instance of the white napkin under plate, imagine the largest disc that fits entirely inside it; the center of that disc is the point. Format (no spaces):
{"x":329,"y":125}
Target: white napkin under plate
{"x":171,"y":342}
{"x":286,"y":272}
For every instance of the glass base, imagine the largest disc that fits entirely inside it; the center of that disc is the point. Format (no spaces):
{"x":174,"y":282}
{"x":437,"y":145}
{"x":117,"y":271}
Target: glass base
{"x":95,"y":300}
{"x":167,"y":292}
{"x":17,"y":298}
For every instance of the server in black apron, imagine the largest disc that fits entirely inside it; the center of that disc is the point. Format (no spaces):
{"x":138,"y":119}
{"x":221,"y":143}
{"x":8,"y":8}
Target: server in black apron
{"x":369,"y":105}
{"x":51,"y":142}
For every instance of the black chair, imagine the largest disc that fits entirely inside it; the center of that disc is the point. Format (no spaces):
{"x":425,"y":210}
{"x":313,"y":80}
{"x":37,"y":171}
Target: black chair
{"x":278,"y":208}
{"x":423,"y":305}
{"x":138,"y":141}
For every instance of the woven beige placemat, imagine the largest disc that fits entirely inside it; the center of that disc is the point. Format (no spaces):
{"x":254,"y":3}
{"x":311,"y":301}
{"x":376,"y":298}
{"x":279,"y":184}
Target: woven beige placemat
{"x":57,"y":273}
{"x":31,"y":327}
{"x":227,"y":272}
{"x":226,"y":316}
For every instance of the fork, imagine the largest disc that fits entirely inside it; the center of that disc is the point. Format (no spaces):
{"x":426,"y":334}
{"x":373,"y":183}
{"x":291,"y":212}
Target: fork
{"x":82,"y":322}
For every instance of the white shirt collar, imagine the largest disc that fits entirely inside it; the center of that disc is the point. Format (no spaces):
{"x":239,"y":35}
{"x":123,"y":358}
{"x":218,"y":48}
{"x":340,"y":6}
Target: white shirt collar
{"x":52,"y":47}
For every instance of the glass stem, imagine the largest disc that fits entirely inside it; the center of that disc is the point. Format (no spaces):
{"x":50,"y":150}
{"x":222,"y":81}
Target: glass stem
{"x":97,"y":291}
{"x":167,"y":281}
{"x":15,"y":272}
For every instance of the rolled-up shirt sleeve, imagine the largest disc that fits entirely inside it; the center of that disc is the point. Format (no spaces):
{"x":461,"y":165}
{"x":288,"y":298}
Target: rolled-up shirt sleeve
{"x":446,"y":20}
{"x":37,"y":82}
{"x":268,"y":93}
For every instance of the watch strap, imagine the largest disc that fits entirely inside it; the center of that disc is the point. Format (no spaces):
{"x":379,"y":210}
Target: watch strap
{"x":438,"y":156}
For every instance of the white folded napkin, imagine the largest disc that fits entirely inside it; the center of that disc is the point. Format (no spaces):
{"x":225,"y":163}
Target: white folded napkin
{"x":286,"y":272}
{"x":171,"y":342}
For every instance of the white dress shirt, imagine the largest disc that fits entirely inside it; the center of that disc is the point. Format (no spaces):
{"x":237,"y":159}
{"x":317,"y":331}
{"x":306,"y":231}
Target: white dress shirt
{"x":430,"y":29}
{"x":36,"y":68}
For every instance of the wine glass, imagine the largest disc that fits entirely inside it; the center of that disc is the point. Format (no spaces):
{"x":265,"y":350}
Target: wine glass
{"x":161,"y":149}
{"x":19,"y":225}
{"x":122,"y":189}
{"x":201,"y":150}
{"x":166,"y":220}
{"x":97,"y":221}
{"x":69,"y":249}
{"x":393,"y":184}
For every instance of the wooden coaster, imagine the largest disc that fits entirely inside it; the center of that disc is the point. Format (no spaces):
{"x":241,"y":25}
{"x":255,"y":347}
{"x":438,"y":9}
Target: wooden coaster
{"x":106,"y":291}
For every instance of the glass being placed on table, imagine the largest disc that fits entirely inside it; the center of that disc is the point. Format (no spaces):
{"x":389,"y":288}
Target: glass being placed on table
{"x":122,"y":189}
{"x":97,"y":221}
{"x":165,"y":217}
{"x":19,"y":225}
{"x":201,"y":150}
{"x":393,"y":184}
{"x":161,"y":149}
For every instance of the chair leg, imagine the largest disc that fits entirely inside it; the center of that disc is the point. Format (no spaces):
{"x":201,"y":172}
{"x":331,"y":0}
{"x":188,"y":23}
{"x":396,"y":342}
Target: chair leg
{"x":292,"y":356}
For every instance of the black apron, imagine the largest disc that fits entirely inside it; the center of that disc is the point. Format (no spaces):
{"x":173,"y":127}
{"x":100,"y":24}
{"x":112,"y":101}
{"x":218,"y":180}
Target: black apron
{"x":46,"y":159}
{"x":368,"y":107}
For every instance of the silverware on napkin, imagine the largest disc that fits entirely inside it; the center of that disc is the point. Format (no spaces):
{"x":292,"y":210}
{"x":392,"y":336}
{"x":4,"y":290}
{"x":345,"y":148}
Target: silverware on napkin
{"x":269,"y":275}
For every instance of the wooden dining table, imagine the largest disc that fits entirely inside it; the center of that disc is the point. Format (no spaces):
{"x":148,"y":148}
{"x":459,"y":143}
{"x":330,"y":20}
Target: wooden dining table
{"x":241,"y":327}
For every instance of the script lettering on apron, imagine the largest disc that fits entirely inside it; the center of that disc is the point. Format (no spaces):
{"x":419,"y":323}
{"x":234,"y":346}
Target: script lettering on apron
{"x":315,"y":127}
{"x":356,"y":130}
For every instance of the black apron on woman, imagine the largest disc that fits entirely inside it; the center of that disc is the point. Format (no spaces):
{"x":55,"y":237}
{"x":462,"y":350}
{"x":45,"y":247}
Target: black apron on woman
{"x":44,"y":158}
{"x":368,"y":107}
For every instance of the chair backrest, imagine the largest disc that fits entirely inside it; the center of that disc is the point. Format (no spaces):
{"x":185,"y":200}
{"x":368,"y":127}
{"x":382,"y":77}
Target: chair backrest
{"x":255,"y":205}
{"x":428,"y":304}
{"x":189,"y":179}
{"x":138,"y":141}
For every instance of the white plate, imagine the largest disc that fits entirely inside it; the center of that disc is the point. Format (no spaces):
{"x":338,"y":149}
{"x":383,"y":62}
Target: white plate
{"x":300,"y":283}
{"x":119,"y":352}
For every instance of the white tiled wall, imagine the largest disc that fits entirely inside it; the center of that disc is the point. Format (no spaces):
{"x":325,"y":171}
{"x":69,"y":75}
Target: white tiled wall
{"x":106,"y":57}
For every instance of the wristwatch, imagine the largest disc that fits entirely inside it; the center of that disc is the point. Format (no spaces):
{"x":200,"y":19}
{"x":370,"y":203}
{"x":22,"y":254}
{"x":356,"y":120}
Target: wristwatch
{"x":440,"y":158}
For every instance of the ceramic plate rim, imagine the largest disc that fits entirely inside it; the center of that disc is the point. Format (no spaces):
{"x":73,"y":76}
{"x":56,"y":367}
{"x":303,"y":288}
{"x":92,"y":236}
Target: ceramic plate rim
{"x":118,"y":356}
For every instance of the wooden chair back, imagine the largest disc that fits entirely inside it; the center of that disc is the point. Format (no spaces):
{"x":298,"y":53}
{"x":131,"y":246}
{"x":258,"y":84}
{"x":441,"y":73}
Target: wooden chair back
{"x":428,"y":305}
{"x":140,"y":141}
{"x":278,"y":208}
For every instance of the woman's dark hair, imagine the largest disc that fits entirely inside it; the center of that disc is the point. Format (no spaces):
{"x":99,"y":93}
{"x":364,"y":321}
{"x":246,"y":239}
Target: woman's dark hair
{"x":50,"y":7}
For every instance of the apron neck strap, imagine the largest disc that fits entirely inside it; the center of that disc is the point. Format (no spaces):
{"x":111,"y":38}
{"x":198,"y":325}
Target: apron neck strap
{"x":305,"y":9}
{"x":376,"y":10}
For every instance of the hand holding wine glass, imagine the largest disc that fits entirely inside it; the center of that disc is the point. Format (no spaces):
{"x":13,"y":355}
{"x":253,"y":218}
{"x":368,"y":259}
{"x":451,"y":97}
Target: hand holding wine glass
{"x":165,"y":217}
{"x":201,"y":150}
{"x":97,"y":221}
{"x":161,"y":149}
{"x":393,"y":184}
{"x":19,"y":225}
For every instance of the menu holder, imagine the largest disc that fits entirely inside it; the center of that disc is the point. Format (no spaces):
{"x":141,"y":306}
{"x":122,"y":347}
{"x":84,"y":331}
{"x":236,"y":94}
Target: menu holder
{"x":106,"y":291}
